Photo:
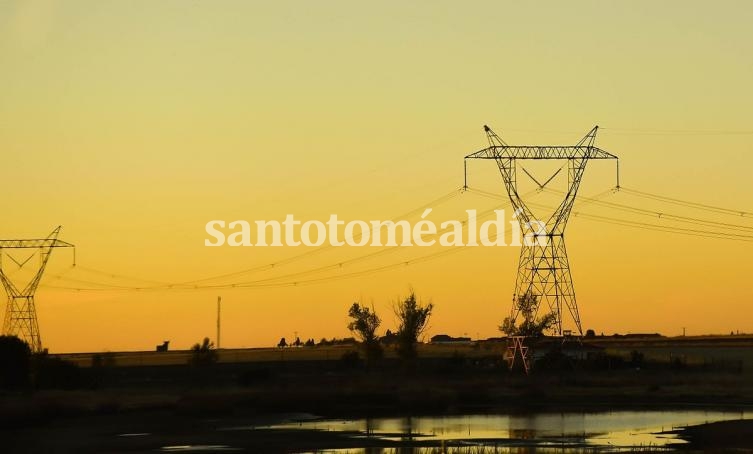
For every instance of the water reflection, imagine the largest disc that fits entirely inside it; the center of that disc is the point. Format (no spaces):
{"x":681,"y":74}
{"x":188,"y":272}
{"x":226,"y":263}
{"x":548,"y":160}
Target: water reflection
{"x":198,"y":448}
{"x":483,"y":449}
{"x":539,"y":432}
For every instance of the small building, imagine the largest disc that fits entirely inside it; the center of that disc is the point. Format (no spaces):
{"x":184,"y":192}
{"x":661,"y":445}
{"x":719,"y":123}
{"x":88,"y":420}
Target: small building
{"x":447,"y":339}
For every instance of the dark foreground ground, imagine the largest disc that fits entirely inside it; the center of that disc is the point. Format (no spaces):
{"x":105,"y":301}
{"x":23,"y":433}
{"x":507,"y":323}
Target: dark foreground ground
{"x":116,"y":419}
{"x":720,"y":436}
{"x":111,"y":408}
{"x":121,"y":433}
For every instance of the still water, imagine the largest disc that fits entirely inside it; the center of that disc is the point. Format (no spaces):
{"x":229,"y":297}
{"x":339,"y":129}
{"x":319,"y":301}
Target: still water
{"x":545,"y":432}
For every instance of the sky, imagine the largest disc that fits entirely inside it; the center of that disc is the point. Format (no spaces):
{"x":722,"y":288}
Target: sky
{"x":133,"y":124}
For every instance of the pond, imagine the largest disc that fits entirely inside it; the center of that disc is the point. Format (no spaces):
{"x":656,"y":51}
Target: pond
{"x":540,"y":432}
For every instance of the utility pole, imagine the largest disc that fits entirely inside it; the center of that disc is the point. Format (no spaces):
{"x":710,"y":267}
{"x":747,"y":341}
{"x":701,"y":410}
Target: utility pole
{"x":219,"y":305}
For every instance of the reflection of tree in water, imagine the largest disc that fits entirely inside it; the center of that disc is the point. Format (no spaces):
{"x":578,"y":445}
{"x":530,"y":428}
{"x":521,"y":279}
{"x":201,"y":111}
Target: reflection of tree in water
{"x":524,"y":427}
{"x":407,"y":429}
{"x":369,"y":430}
{"x":528,"y":430}
{"x":526,"y":450}
{"x":523,"y":434}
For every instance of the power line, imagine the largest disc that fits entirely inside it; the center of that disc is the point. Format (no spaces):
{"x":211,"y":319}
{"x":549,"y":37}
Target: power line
{"x":295,"y":283}
{"x":436,"y":202}
{"x":663,"y":215}
{"x":685,"y":203}
{"x":118,"y":276}
{"x":156,"y":285}
{"x":642,"y":211}
{"x":638,"y":224}
{"x":273,"y":281}
{"x":198,"y":283}
{"x":645,"y":131}
{"x":293,"y":278}
{"x":666,"y":229}
{"x":693,"y":132}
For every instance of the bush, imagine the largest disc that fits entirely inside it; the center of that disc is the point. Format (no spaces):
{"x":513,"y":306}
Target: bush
{"x":15,"y":362}
{"x":203,"y":354}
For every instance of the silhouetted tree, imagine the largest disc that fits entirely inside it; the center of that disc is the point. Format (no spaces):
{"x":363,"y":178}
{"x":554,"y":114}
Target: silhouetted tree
{"x":590,"y":333}
{"x":203,"y":354}
{"x":282,"y":343}
{"x":413,"y":319}
{"x":15,"y":362}
{"x":530,"y":326}
{"x":364,"y":324}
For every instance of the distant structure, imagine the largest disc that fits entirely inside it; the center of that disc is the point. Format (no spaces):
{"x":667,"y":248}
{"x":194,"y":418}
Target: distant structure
{"x":164,"y":347}
{"x":20,"y":313}
{"x":447,"y":339}
{"x":544,"y":270}
{"x":389,"y":338}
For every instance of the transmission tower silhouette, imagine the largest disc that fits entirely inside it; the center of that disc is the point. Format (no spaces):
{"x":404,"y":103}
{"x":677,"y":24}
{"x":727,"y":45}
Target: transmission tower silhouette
{"x":20,"y":313}
{"x":543,"y":276}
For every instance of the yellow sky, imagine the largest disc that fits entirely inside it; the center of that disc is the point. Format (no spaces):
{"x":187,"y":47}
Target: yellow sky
{"x":132,"y":124}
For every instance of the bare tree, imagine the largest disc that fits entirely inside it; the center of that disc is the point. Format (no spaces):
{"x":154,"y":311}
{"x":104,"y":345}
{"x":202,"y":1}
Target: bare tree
{"x":364,"y":324}
{"x":413,"y":319}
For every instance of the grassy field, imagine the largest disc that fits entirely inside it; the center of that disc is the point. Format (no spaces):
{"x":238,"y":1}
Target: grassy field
{"x":289,"y":354}
{"x":691,"y":350}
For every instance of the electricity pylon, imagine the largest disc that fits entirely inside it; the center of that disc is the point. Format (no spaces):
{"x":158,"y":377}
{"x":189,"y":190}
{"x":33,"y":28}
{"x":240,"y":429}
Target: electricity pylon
{"x":543,"y":276}
{"x":21,"y":314}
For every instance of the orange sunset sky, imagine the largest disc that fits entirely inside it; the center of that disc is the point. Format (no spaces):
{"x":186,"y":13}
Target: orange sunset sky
{"x":132,"y":124}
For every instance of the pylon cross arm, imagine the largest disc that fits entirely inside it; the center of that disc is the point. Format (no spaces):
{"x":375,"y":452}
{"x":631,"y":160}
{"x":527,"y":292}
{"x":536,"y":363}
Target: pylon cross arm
{"x":541,"y":152}
{"x":34,"y":243}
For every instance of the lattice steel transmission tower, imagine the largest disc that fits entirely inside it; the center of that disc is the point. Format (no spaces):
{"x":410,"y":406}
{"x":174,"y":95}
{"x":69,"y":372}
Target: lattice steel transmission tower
{"x":20,"y":313}
{"x":544,"y":271}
